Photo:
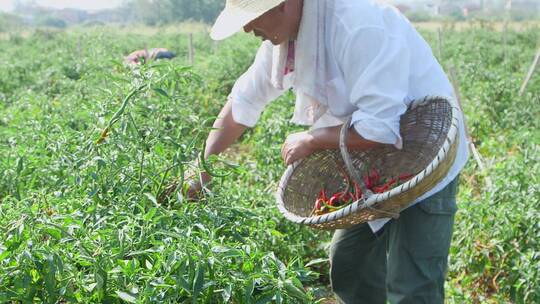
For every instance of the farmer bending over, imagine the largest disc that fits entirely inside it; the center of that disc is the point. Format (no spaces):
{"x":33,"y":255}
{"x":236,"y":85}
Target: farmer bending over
{"x":348,"y":58}
{"x":142,"y":56}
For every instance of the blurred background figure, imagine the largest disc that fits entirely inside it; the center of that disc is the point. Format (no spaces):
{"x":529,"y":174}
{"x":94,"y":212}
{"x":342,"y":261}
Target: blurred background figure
{"x":143,"y":56}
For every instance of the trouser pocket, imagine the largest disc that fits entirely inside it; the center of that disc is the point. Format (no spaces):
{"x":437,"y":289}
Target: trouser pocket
{"x":428,"y":226}
{"x":442,"y":202}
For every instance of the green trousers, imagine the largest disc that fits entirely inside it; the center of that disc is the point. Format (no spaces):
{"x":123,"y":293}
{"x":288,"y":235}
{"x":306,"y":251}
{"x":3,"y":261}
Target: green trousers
{"x":404,"y":262}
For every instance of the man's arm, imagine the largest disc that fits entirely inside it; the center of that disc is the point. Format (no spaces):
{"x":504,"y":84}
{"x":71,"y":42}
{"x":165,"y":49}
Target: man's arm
{"x":328,"y":138}
{"x":303,"y":144}
{"x":226,"y":132}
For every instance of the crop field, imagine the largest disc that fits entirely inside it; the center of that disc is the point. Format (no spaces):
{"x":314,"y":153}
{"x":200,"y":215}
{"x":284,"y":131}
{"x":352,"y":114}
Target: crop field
{"x":79,"y":221}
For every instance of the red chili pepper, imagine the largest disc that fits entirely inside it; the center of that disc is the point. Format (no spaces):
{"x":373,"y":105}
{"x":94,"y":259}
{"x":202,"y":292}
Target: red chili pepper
{"x":357,"y":191}
{"x":405,"y":176}
{"x":334,"y":200}
{"x":353,"y":192}
{"x":374,"y":176}
{"x":322,"y":195}
{"x":346,"y":198}
{"x":379,"y":189}
{"x":367,"y":181}
{"x":391,"y":182}
{"x":388,"y":185}
{"x":318,"y":204}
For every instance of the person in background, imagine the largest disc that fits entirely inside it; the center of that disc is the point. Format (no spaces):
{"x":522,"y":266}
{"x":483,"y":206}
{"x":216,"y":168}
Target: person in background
{"x":348,"y":59}
{"x":143,"y":56}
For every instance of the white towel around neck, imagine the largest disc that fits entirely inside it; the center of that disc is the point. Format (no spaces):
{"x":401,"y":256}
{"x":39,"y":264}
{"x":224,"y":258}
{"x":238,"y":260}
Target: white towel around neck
{"x":309,"y":64}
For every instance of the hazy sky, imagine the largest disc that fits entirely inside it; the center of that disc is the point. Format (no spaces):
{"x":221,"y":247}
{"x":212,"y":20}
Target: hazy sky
{"x":7,"y":5}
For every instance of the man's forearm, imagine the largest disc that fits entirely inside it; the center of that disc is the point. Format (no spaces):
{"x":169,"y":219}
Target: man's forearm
{"x":226,"y":132}
{"x":328,"y":138}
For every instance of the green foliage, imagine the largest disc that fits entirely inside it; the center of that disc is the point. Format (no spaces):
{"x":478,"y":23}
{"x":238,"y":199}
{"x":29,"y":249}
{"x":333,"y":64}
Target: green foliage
{"x":80,"y":221}
{"x":495,"y":254}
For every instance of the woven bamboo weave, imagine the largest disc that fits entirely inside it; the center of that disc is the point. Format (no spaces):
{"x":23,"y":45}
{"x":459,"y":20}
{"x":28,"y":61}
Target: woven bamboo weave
{"x":429,"y":130}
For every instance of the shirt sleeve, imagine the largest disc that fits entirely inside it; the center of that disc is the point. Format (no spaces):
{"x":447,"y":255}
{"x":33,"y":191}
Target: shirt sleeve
{"x":376,"y":70}
{"x":254,"y":90}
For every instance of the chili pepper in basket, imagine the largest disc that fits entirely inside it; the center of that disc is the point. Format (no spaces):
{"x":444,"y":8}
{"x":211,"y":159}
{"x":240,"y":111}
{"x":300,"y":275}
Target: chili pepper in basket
{"x":357,"y":191}
{"x":374,"y":176}
{"x":322,"y":195}
{"x":340,"y":199}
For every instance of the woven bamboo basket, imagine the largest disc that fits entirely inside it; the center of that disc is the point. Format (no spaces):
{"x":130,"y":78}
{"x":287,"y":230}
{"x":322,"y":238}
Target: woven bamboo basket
{"x":429,"y":130}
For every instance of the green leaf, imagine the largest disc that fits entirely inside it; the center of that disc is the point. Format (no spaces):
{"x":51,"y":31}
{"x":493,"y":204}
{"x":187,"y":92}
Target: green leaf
{"x":316,"y":261}
{"x":151,"y":197}
{"x":148,"y":264}
{"x":50,"y":278}
{"x":90,"y":287}
{"x":20,"y":165}
{"x":248,"y":266}
{"x":4,"y":254}
{"x":227,"y":252}
{"x":100,"y":277}
{"x":161,"y":92}
{"x":148,"y":216}
{"x":248,"y":290}
{"x":226,"y":294}
{"x":265,"y":299}
{"x":126,"y":297}
{"x":21,"y":229}
{"x":278,"y":298}
{"x":55,"y":233}
{"x":274,"y":232}
{"x":181,"y":282}
{"x":294,"y":291}
{"x":198,"y":282}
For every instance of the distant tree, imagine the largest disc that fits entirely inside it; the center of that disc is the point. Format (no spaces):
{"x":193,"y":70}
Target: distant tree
{"x":9,"y":22}
{"x":145,"y":11}
{"x":456,"y":15}
{"x":153,"y":12}
{"x":52,"y":22}
{"x":418,"y":16}
{"x":210,"y":9}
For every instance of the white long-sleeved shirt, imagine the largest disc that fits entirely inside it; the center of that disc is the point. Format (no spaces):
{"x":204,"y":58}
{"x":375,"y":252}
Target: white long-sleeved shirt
{"x":377,"y":64}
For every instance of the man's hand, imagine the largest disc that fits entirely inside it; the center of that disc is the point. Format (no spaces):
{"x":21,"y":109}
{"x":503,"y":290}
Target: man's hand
{"x":297,"y":146}
{"x":195,"y":184}
{"x":303,"y":144}
{"x":224,"y":133}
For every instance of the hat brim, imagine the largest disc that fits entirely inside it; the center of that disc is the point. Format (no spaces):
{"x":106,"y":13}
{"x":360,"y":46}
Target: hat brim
{"x":231,"y":21}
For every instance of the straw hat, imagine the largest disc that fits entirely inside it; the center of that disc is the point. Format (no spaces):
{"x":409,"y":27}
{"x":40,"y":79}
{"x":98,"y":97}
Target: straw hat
{"x":238,"y":13}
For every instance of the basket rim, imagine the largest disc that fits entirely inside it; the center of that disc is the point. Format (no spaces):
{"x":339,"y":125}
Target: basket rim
{"x":442,"y":154}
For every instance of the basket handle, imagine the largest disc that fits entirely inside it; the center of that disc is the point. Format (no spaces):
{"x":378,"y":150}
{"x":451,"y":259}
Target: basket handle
{"x":348,"y":162}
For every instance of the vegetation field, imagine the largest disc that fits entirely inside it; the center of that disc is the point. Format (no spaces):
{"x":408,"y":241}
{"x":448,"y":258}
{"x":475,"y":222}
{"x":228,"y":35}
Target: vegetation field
{"x":478,"y":23}
{"x":79,"y":221}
